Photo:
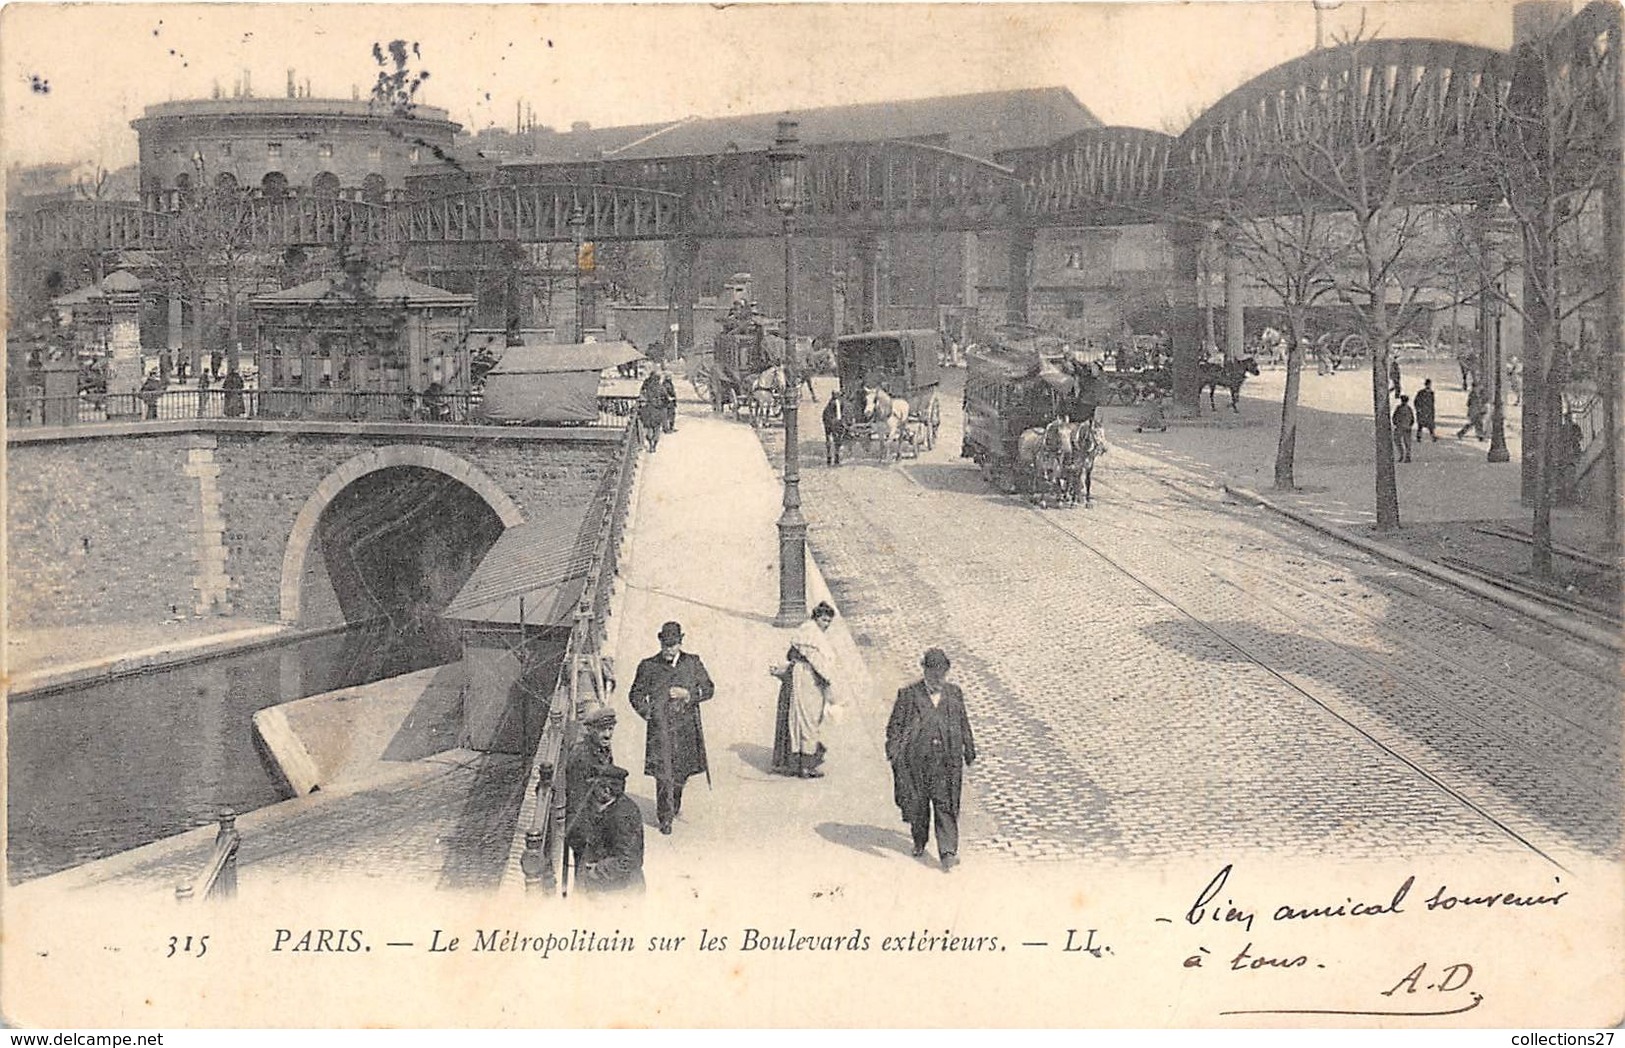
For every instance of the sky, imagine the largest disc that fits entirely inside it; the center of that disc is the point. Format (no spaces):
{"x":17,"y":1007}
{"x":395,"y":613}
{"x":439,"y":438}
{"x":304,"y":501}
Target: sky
{"x":73,"y":76}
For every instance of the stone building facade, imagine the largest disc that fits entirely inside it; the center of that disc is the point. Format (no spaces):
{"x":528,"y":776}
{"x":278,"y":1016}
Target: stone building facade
{"x":282,"y":146}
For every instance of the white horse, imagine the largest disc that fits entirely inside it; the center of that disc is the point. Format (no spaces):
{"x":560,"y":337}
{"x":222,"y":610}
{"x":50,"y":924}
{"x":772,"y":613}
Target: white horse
{"x":1059,"y":458}
{"x":881,"y":408}
{"x":767,"y":391}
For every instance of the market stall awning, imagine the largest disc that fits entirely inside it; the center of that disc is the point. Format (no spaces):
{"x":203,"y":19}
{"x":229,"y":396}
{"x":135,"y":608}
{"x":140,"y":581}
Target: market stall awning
{"x":533,"y":575}
{"x":550,"y":358}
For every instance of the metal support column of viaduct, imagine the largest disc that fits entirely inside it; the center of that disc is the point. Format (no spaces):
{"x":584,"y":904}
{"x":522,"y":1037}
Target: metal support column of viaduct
{"x":1018,"y":283}
{"x":868,"y":256}
{"x":682,"y":257}
{"x":1235,"y":317}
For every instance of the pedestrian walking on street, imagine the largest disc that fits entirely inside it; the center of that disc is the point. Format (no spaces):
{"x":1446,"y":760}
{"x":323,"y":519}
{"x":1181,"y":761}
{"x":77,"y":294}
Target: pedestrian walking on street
{"x":1475,"y":412}
{"x":215,"y":360}
{"x":807,"y":698}
{"x":1393,"y":374}
{"x":232,"y":384}
{"x":1404,"y":421}
{"x":611,"y":856}
{"x":203,"y":394}
{"x":929,"y":744}
{"x":1425,"y":409}
{"x":668,"y":394}
{"x":666,"y":692}
{"x":151,"y":390}
{"x":652,"y":410}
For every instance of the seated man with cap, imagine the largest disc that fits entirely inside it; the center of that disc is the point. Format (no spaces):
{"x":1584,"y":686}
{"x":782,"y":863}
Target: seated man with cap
{"x":611,"y":856}
{"x":667,"y":691}
{"x":589,"y":755}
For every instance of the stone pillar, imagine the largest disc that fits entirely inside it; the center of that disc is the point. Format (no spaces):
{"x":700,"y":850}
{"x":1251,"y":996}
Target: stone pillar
{"x":60,"y":378}
{"x":124,"y":343}
{"x":681,"y":256}
{"x":1018,"y":281}
{"x":868,"y":267}
{"x":1235,"y":317}
{"x":173,"y":339}
{"x":837,"y":302}
{"x":970,"y":270}
{"x":1185,"y":314}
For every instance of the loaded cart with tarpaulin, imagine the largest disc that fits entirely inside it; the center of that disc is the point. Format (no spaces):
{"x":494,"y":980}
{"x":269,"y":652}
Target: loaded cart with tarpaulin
{"x":515,"y":613}
{"x":551,"y":383}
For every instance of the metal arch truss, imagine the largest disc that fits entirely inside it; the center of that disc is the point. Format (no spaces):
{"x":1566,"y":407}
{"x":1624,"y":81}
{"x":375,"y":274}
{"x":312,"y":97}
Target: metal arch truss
{"x":1437,"y":97}
{"x":1431,"y":97}
{"x":1100,"y":176}
{"x":88,"y":225}
{"x":540,"y":213}
{"x":859,"y":187}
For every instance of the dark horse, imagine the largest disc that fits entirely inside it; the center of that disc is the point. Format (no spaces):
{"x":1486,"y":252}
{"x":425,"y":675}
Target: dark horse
{"x":837,"y":425}
{"x":1231,"y":374}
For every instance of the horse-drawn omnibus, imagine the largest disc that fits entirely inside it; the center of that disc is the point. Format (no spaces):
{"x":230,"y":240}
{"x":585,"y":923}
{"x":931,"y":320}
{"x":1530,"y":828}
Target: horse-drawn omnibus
{"x":1030,"y":419}
{"x":878,"y":370}
{"x":744,"y":351}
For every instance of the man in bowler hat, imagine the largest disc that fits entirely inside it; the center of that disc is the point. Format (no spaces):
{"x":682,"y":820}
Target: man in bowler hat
{"x":666,"y":692}
{"x":929,"y":744}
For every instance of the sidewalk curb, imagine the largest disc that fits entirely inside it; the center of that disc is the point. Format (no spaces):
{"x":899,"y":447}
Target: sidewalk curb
{"x":165,"y":656}
{"x":1527,"y":608}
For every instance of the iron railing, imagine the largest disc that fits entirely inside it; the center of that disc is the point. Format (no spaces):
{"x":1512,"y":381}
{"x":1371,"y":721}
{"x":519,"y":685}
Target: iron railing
{"x":584,"y":674}
{"x":219,"y":877}
{"x":30,"y":410}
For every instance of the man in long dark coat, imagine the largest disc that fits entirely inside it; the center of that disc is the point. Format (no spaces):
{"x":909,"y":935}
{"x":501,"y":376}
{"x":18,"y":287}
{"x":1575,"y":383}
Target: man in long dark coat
{"x":652,"y":410}
{"x":667,"y":692}
{"x":611,"y":857}
{"x":1426,"y":412}
{"x":929,"y":744}
{"x":668,"y":398}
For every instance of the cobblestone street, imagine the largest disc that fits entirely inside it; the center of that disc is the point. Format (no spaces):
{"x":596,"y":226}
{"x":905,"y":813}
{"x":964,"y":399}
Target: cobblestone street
{"x":1165,"y":673}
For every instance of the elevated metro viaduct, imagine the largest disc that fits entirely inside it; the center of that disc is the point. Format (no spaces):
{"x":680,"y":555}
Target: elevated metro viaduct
{"x":307,"y":524}
{"x":1448,"y":100}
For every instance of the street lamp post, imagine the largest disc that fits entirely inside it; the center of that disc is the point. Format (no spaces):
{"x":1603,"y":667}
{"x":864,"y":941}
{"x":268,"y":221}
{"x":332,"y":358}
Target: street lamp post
{"x":578,"y":237}
{"x":786,"y":157}
{"x":1321,"y":7}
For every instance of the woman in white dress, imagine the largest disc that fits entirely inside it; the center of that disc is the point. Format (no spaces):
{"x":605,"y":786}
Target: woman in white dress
{"x":807,"y":691}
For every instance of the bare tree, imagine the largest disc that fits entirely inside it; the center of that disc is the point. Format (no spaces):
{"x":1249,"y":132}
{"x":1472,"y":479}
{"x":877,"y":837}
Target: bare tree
{"x":1553,"y":149}
{"x":211,"y":256}
{"x":1373,"y":147}
{"x":1295,"y":249}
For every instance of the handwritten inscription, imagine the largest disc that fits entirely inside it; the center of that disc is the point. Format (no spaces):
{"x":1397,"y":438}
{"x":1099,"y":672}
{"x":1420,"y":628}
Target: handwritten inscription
{"x":1214,"y":904}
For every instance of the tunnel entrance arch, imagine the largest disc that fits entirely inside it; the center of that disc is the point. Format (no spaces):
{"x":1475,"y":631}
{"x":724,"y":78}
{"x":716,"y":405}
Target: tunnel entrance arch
{"x":306,"y":526}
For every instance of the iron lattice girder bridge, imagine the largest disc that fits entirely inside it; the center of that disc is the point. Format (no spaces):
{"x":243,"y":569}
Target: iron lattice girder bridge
{"x":1442,"y":98}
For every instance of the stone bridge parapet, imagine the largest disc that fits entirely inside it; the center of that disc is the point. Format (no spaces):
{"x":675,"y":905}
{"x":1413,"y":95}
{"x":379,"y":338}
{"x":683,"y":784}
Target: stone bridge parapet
{"x":141,"y":522}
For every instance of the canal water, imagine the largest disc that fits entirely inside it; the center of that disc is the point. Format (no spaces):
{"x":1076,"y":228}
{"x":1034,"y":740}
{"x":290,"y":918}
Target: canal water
{"x":107,"y":767}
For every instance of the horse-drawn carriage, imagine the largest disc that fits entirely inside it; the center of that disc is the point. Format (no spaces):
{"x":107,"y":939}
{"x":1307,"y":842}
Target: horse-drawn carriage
{"x":1030,"y":420}
{"x":745,"y":370}
{"x":888,"y":389}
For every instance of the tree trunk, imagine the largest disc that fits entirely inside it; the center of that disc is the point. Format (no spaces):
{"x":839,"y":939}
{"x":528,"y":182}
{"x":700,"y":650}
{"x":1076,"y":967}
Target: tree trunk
{"x":232,"y":353}
{"x":1286,"y":445}
{"x":1539,"y":445}
{"x":1387,"y":490}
